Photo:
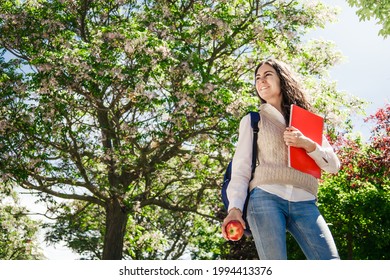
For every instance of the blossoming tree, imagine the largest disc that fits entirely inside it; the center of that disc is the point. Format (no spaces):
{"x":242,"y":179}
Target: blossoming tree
{"x":129,"y":109}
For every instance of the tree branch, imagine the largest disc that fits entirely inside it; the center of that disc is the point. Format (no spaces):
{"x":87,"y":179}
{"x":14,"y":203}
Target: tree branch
{"x":166,"y":205}
{"x":46,"y":189}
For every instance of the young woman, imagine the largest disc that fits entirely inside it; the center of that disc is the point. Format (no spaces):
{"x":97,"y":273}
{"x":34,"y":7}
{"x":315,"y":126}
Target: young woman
{"x":281,"y":198}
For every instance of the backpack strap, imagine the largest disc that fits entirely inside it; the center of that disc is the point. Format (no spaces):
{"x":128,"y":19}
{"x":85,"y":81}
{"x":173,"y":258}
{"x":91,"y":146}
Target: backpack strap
{"x":255,"y":118}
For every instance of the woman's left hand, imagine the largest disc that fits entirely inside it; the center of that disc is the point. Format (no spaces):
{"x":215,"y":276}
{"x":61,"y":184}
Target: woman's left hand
{"x":293,"y":137}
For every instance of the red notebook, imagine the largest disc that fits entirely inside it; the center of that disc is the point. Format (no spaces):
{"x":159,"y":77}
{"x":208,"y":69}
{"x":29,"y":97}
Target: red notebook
{"x":311,"y":125}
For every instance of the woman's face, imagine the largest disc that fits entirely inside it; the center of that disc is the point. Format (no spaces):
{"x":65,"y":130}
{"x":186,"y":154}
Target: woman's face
{"x":268,"y":85}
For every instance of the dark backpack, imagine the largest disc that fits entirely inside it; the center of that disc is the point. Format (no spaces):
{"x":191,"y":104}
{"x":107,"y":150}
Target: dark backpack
{"x":255,"y":118}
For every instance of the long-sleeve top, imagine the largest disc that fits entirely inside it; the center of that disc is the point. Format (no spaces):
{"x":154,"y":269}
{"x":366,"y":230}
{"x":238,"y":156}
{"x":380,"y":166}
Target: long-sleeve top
{"x":272,"y":172}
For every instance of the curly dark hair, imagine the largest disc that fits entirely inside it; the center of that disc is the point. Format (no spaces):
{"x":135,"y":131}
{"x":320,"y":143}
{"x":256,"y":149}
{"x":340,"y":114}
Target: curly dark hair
{"x":290,"y":87}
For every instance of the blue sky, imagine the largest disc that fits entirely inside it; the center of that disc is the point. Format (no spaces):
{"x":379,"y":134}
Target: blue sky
{"x":365,"y":73}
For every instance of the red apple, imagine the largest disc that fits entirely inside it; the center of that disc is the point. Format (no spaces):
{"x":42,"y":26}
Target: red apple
{"x":234,"y":230}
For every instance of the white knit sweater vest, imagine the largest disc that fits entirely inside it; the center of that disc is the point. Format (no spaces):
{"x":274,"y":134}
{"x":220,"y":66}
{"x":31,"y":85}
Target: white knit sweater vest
{"x":273,"y":159}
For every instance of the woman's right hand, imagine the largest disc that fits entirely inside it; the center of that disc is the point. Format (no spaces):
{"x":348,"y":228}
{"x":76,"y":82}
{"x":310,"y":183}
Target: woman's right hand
{"x":234,"y":214}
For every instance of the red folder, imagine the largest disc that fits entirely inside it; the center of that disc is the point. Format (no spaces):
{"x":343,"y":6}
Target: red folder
{"x":311,"y":125}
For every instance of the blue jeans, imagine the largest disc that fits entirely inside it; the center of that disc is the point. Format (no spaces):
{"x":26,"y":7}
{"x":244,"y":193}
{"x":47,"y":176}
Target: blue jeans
{"x":270,"y":216}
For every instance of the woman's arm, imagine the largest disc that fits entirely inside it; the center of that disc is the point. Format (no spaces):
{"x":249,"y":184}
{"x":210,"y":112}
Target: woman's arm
{"x":324,"y":155}
{"x":241,"y":166}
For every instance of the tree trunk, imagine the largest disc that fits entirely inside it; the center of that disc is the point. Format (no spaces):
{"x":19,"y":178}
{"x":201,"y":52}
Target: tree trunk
{"x":116,"y":220}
